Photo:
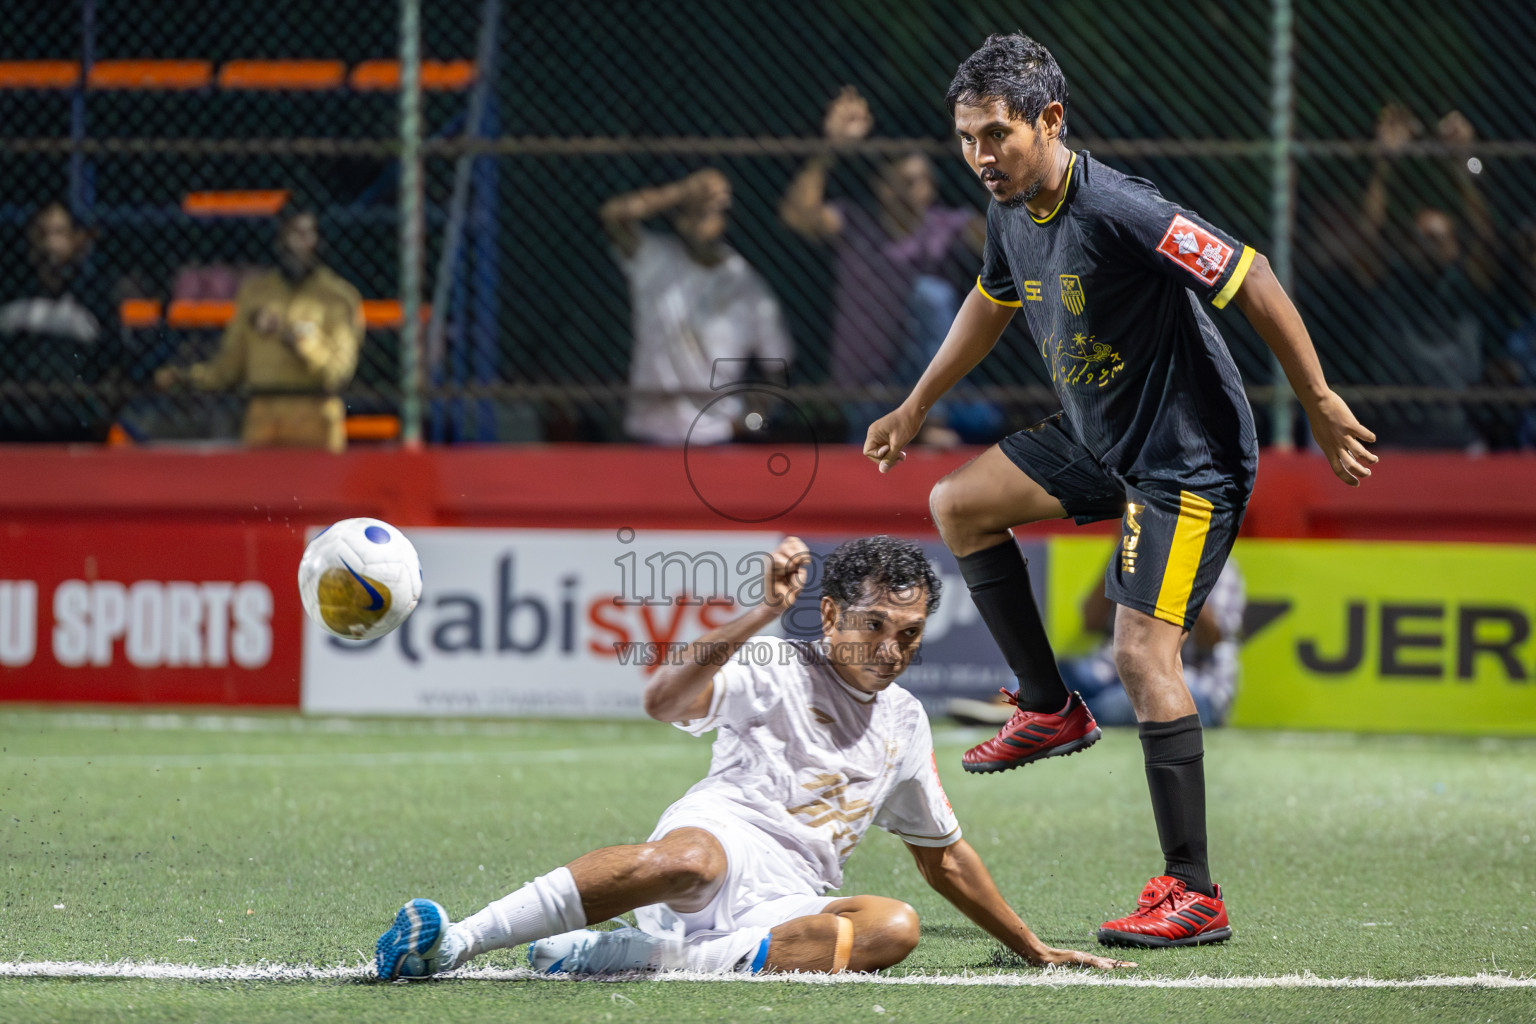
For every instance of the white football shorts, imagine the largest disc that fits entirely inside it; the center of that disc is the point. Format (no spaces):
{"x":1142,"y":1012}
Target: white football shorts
{"x":765,"y":884}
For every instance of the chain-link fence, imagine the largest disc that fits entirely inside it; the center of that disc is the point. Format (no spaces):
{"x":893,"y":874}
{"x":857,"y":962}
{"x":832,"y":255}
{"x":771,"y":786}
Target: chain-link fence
{"x":1381,"y":153}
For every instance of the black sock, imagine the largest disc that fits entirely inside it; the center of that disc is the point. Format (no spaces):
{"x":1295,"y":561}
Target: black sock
{"x":999,"y":581}
{"x":1175,"y":752}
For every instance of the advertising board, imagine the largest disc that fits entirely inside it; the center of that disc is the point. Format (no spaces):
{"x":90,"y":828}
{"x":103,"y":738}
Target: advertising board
{"x":573,"y":623}
{"x":143,"y":612}
{"x":1360,"y":635}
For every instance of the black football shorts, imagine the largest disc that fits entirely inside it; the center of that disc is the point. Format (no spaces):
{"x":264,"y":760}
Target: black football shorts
{"x":1173,"y":542}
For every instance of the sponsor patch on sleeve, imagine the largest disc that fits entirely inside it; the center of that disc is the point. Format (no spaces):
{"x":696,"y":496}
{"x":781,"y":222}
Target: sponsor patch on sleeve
{"x":1195,"y":249}
{"x":933,"y":759}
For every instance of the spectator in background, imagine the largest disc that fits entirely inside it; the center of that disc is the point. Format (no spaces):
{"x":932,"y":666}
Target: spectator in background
{"x":55,"y":340}
{"x":898,"y":265}
{"x":293,"y":344}
{"x":695,"y":303}
{"x":1432,"y":270}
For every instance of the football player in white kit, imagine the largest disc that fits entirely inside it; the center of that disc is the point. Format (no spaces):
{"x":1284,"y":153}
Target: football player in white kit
{"x":814,"y":744}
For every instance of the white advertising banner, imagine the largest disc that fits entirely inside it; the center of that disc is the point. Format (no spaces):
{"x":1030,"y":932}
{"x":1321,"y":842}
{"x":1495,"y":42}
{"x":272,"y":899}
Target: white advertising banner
{"x":538,"y":622}
{"x":571,"y":623}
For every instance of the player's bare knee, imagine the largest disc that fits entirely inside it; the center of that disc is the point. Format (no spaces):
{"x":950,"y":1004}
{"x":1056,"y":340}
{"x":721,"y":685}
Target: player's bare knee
{"x":884,"y":935}
{"x":904,"y":930}
{"x":693,"y":865}
{"x":945,"y":504}
{"x":1130,"y":661}
{"x":957,"y":514}
{"x":640,"y":864}
{"x":1145,"y":647}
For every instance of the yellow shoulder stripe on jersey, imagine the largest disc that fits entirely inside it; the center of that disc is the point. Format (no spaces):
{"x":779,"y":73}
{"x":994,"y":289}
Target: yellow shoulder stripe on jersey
{"x":1000,"y":302}
{"x":1184,"y":556}
{"x":1066,"y":186}
{"x":1236,"y":280}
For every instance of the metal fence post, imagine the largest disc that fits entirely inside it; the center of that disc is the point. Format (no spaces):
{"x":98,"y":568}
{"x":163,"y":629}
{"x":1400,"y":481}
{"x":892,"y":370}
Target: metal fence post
{"x":412,"y":237}
{"x":82,"y":193}
{"x":1282,"y":195}
{"x":447,"y":285}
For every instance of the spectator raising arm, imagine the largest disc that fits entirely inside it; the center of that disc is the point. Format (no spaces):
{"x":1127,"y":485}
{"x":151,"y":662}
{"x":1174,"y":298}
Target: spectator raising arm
{"x":804,"y":208}
{"x":623,"y":214}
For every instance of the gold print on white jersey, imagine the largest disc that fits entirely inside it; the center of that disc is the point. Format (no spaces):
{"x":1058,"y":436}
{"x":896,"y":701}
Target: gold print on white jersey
{"x":831,"y":807}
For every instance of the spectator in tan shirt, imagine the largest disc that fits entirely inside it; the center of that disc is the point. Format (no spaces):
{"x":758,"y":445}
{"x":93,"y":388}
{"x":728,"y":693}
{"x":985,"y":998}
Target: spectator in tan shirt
{"x":292,"y":343}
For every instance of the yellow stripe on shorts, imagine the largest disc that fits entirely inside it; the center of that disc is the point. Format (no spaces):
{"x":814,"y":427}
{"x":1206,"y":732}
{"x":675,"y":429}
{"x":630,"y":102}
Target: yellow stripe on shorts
{"x":1184,"y":557}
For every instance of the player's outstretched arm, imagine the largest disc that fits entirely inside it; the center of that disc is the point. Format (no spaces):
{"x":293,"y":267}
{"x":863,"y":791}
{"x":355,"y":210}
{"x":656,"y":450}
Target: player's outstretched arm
{"x":681,"y":690}
{"x":976,"y":329}
{"x":957,"y":873}
{"x":1341,"y":437}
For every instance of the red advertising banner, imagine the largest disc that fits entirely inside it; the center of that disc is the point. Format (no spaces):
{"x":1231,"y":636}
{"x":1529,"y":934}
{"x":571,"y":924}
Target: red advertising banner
{"x":166,"y":613}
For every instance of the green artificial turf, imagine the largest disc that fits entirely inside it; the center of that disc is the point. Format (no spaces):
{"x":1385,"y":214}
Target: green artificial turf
{"x":276,"y":839}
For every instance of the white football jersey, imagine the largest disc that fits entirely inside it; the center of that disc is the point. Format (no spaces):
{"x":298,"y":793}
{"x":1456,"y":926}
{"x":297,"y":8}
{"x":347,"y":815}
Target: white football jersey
{"x":814,"y":762}
{"x":691,"y":323}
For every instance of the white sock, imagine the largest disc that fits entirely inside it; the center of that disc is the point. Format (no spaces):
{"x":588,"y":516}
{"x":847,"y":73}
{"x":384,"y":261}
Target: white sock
{"x":711,"y":952}
{"x":548,"y":905}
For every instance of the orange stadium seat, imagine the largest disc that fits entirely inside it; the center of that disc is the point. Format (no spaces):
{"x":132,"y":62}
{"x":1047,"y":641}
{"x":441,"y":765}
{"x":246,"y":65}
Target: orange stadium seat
{"x":150,"y":74}
{"x":205,"y":314}
{"x":235,"y":203}
{"x":291,"y":75}
{"x":437,"y":75}
{"x":39,"y":74}
{"x":388,"y":314}
{"x":199,"y":313}
{"x":373,"y":428}
{"x":139,"y":312}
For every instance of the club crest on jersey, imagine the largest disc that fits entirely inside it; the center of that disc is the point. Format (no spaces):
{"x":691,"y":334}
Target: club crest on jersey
{"x":1195,"y":249}
{"x":1072,"y":295}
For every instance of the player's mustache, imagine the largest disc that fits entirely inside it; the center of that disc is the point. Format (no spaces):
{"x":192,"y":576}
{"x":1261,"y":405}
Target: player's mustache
{"x":993,"y":174}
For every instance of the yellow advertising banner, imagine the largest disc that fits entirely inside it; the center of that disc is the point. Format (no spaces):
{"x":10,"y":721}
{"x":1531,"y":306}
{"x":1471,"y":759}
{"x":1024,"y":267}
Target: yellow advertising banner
{"x":1371,"y":636}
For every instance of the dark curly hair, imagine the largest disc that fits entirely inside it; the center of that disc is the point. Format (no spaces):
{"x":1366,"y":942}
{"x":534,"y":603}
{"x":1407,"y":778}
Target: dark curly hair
{"x":880,"y":563}
{"x":1015,"y":69}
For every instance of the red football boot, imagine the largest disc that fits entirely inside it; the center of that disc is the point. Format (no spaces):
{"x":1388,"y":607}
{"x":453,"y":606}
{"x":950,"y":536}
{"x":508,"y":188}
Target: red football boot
{"x":1169,"y":914}
{"x":1032,"y":735}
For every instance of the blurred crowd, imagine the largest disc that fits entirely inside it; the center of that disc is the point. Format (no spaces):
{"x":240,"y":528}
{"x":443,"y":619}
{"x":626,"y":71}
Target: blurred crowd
{"x":69,"y":366}
{"x":1442,"y":296}
{"x":1407,"y":282}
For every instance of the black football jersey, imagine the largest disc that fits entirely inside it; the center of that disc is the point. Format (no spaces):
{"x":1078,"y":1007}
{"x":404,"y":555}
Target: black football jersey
{"x":1112,"y":285}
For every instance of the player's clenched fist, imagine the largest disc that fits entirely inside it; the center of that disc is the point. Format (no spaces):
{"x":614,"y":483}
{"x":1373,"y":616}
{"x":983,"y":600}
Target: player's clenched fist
{"x":787,"y":571}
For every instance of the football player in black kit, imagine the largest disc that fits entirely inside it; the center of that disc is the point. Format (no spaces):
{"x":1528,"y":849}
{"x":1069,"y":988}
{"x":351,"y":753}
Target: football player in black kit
{"x":1155,"y":430}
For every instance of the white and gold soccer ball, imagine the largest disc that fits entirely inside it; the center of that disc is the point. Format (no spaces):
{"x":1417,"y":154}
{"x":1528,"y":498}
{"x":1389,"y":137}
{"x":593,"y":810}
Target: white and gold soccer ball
{"x":359,"y":578}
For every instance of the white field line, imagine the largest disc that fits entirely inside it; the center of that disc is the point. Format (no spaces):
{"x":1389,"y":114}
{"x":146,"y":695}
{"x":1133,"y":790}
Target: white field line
{"x":333,"y":759}
{"x":1033,"y":979}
